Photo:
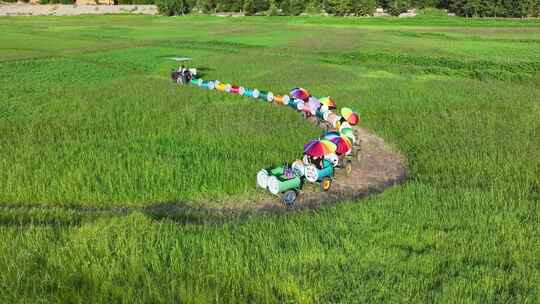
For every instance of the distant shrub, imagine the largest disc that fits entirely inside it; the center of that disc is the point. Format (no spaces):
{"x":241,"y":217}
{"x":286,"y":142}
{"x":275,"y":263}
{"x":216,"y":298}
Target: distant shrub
{"x":173,"y":7}
{"x":426,"y":3}
{"x":397,"y":7}
{"x":249,"y":7}
{"x":273,"y":10}
{"x":292,"y":7}
{"x":135,"y":1}
{"x":313,"y":8}
{"x":57,"y":1}
{"x":432,"y":12}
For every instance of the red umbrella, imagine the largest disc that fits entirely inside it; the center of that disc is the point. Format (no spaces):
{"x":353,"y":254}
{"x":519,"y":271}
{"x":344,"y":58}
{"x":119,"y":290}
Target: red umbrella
{"x":343,"y":144}
{"x":299,"y":93}
{"x":353,"y":119}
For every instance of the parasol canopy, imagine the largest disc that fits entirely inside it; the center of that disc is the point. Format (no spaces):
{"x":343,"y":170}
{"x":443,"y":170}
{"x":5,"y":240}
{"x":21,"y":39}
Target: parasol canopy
{"x":343,"y":144}
{"x":328,"y":101}
{"x":353,"y":119}
{"x":318,"y":148}
{"x":345,"y":112}
{"x":329,"y":146}
{"x":348,"y":132}
{"x":299,"y":93}
{"x":349,"y":115}
{"x":330,"y":135}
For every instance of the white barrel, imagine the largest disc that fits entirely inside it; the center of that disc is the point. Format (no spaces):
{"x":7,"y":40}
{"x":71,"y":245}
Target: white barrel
{"x":200,"y":82}
{"x":325,"y":115}
{"x":256,"y":93}
{"x":336,"y":123}
{"x":241,"y":91}
{"x":332,"y":117}
{"x":298,"y":167}
{"x":273,"y":185}
{"x":324,"y":108}
{"x":262,"y":179}
{"x":300,"y":105}
{"x":286,"y":99}
{"x":311,"y":173}
{"x":211,"y":85}
{"x":228,"y":87}
{"x":344,"y":125}
{"x":270,"y":97}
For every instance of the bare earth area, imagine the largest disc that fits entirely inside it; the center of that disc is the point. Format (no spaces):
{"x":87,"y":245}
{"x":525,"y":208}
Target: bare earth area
{"x":73,"y":10}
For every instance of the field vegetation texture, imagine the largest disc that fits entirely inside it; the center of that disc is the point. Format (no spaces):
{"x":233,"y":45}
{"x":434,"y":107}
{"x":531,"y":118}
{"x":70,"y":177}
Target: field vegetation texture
{"x":93,"y":135}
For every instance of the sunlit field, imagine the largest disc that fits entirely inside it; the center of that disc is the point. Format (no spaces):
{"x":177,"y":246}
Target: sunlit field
{"x":93,"y":133}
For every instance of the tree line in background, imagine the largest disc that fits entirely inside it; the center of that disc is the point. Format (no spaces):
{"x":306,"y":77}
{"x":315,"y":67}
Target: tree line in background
{"x":465,"y":8}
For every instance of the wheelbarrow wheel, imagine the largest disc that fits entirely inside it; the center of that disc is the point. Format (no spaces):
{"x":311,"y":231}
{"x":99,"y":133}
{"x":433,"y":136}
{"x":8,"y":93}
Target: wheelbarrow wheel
{"x":289,"y":197}
{"x":348,"y":167}
{"x":326,"y":183}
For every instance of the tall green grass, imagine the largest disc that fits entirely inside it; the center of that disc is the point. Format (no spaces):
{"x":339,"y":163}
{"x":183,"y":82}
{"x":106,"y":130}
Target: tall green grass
{"x":88,"y":129}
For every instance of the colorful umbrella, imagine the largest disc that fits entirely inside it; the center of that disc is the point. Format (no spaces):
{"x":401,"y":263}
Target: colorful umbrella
{"x":330,"y":135}
{"x":299,"y":93}
{"x":316,"y":148}
{"x":343,"y":145}
{"x":329,"y":146}
{"x":348,"y":132}
{"x":353,"y":119}
{"x":345,"y":112}
{"x":328,"y":101}
{"x":349,"y":115}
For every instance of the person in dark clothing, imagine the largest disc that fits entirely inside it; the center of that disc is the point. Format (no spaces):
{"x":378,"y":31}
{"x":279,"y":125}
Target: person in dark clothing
{"x":187,"y":76}
{"x":317,"y":161}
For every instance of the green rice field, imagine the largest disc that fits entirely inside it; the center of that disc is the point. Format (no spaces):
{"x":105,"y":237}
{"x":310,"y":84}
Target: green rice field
{"x":93,"y":134}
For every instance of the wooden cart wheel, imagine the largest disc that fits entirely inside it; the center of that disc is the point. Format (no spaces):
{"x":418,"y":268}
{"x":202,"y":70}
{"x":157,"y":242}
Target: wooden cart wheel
{"x":326,"y":183}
